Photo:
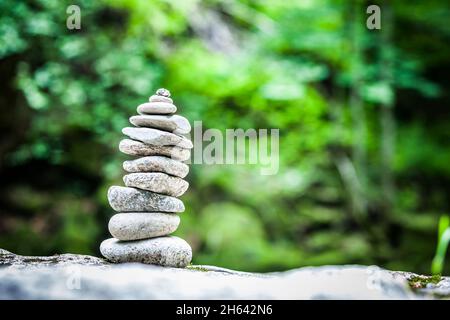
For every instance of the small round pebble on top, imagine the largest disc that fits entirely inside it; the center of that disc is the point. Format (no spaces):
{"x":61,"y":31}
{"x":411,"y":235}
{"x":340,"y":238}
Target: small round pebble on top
{"x":163,"y":92}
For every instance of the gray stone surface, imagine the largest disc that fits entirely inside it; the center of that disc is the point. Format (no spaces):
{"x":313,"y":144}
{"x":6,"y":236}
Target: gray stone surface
{"x":157,"y":164}
{"x":157,"y":98}
{"x":71,"y":276}
{"x":167,"y":251}
{"x":157,"y":182}
{"x":156,"y":108}
{"x":175,"y":123}
{"x":8,"y":259}
{"x":142,"y":225}
{"x":4,"y":252}
{"x":426,"y":287}
{"x":157,"y":137}
{"x":124,"y":199}
{"x":136,"y":148}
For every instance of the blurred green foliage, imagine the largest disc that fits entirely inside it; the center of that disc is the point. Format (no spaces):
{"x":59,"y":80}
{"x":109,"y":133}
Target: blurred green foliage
{"x":437,"y":264}
{"x":363,"y":119}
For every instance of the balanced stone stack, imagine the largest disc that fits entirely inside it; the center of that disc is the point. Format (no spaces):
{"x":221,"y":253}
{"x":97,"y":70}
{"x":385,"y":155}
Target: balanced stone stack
{"x":147,"y":206}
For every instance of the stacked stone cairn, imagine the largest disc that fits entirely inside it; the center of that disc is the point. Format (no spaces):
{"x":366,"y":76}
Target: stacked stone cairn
{"x":147,"y":207}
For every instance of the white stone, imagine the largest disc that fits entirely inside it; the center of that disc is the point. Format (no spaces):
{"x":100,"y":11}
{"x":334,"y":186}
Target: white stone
{"x":124,"y":199}
{"x":137,"y":148}
{"x":157,"y":137}
{"x":158,"y":98}
{"x":174,"y":123}
{"x":157,"y":182}
{"x":157,"y":164}
{"x":142,"y":225}
{"x":167,"y":251}
{"x":156,"y":108}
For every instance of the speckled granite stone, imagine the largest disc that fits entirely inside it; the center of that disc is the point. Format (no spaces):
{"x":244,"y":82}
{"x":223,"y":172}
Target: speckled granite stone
{"x":157,"y":137}
{"x":137,"y":148}
{"x":167,"y":251}
{"x":174,"y":123}
{"x":124,"y":199}
{"x":157,"y":164}
{"x":142,"y":225}
{"x":157,"y":182}
{"x":156,"y":108}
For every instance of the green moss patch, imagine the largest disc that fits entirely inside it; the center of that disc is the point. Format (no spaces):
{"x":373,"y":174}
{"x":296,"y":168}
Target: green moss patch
{"x":197,"y":268}
{"x":420,"y":282}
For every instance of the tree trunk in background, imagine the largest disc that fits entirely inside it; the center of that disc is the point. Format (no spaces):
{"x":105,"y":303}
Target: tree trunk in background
{"x":387,"y":120}
{"x":356,"y":104}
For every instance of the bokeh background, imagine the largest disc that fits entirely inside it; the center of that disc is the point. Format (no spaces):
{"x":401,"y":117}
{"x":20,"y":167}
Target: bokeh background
{"x":363,"y":116}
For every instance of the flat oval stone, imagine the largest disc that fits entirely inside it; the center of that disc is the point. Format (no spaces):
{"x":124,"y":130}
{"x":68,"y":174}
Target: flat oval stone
{"x":142,"y":225}
{"x":167,"y":251}
{"x":137,"y":148}
{"x":157,"y":137}
{"x":175,"y":123}
{"x":157,"y":182}
{"x":157,"y":164}
{"x":124,"y":199}
{"x":158,"y":98}
{"x":156,"y":108}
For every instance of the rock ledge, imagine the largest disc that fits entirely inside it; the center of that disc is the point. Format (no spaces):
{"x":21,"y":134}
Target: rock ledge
{"x":71,"y":276}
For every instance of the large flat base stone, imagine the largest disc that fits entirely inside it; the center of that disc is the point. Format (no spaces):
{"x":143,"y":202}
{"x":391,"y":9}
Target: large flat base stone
{"x":167,"y":251}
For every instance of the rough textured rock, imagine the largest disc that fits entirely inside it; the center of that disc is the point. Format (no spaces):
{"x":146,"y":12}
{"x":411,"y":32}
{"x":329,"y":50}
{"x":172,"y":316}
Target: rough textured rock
{"x":156,"y":108}
{"x":4,"y":252}
{"x":157,"y":164}
{"x":175,"y":123}
{"x":124,"y":199}
{"x":167,"y":251}
{"x":49,"y":278}
{"x":142,"y":225}
{"x":158,"y":98}
{"x":8,"y":259}
{"x":157,"y":137}
{"x":157,"y":182}
{"x":136,"y":148}
{"x":426,"y":286}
